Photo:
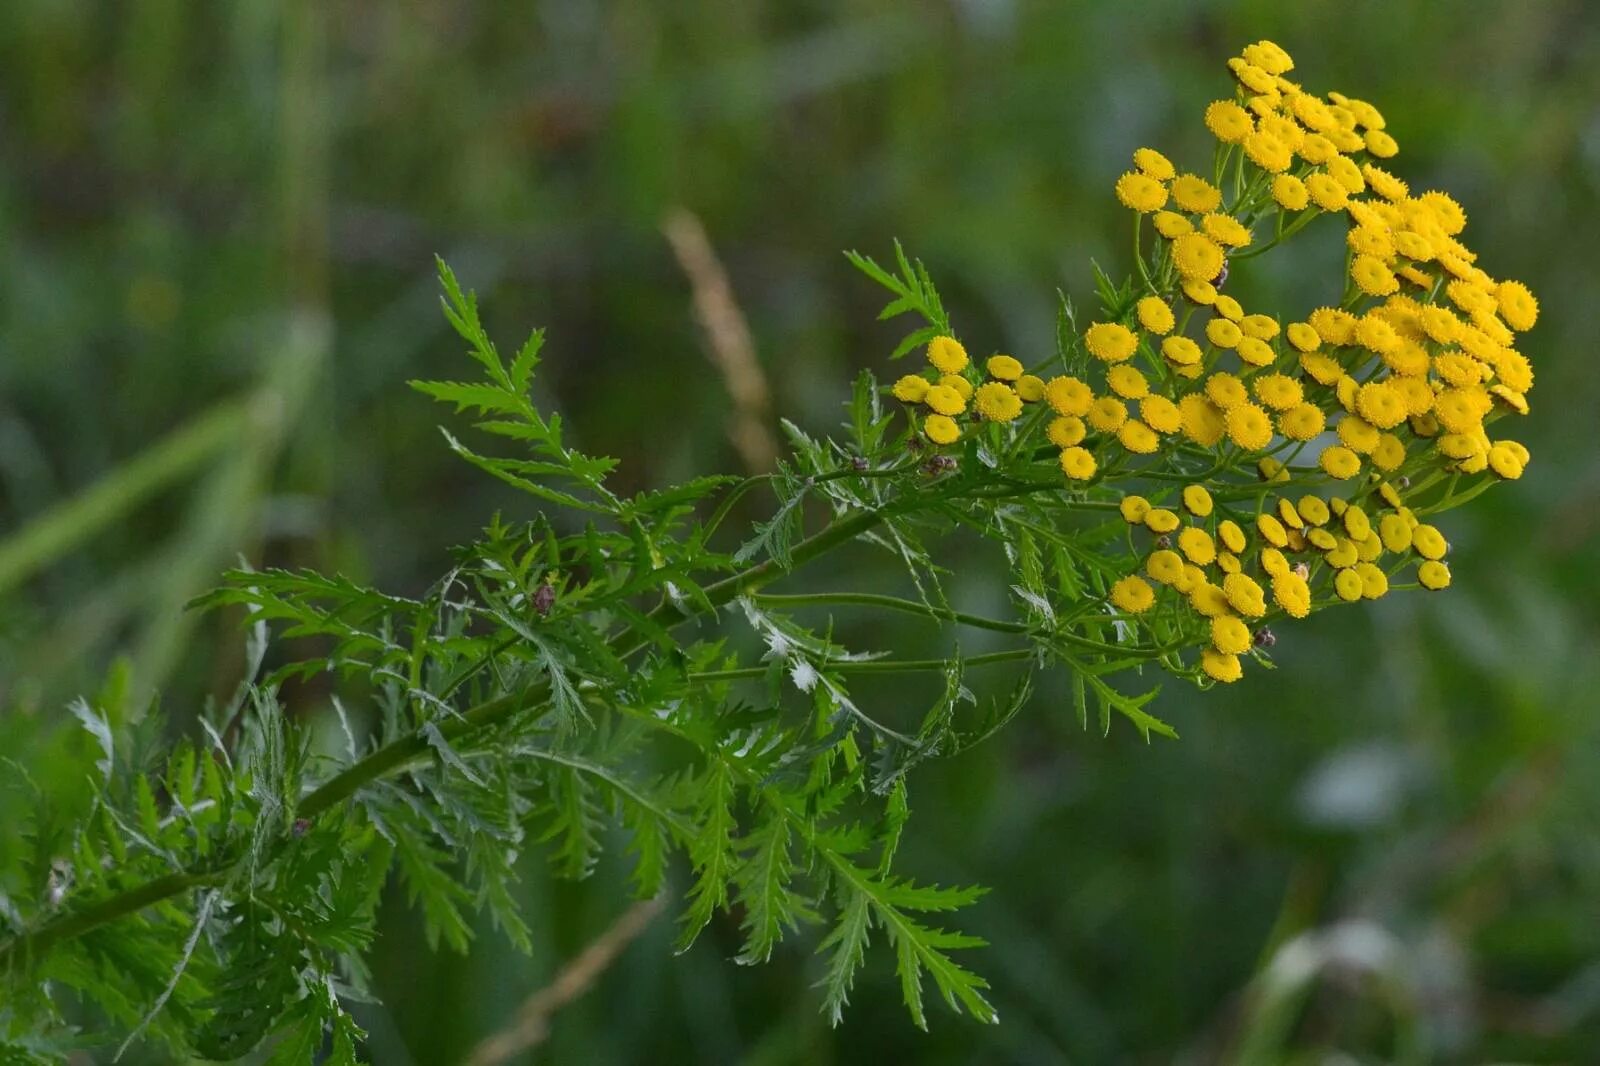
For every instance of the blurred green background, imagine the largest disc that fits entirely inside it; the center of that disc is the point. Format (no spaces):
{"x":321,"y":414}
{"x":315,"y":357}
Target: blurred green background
{"x":216,"y":230}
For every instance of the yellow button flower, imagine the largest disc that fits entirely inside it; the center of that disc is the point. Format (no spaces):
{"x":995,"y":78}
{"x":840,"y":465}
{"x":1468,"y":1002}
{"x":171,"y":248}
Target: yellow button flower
{"x":1230,"y":636}
{"x":947,"y":355}
{"x":1068,"y":396}
{"x":944,"y":400}
{"x":996,"y":401}
{"x":911,"y":388}
{"x":941,"y":430}
{"x":1111,"y":342}
{"x":1003,"y":367}
{"x":1133,"y":594}
{"x":1078,"y":464}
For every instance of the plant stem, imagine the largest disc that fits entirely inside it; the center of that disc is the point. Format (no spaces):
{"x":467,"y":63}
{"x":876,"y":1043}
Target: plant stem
{"x":876,"y":666}
{"x":895,"y":603}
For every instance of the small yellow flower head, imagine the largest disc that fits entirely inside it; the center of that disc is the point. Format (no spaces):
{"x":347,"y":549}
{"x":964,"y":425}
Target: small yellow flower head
{"x":1414,"y":246}
{"x":1302,"y":336}
{"x":1249,"y":426}
{"x":1181,"y":350}
{"x":1288,"y":515}
{"x":1208,"y":600}
{"x":1374,"y":333}
{"x":1339,"y":462}
{"x":911,"y":388}
{"x":941,"y":430}
{"x":1160,"y":414}
{"x":1346,"y":173}
{"x":1220,"y":666}
{"x":1278,"y":391}
{"x":1231,"y":535}
{"x":1230,"y":636}
{"x":1127,"y":382}
{"x":1252,"y":77}
{"x":1077,"y":463}
{"x":1154,"y":164}
{"x":1317,"y":149}
{"x":1269,"y":57}
{"x":1141,"y":192}
{"x":1506,"y":461}
{"x":1159,"y":520}
{"x":1222,"y":333}
{"x":1195,"y":194}
{"x":1313,"y":509}
{"x":961,"y":385}
{"x":1165,"y":566}
{"x":1291,"y":592}
{"x":1390,"y":454}
{"x":1003,"y":367}
{"x":1268,"y":152}
{"x":1259,"y":327}
{"x":1374,"y":582}
{"x":1256,"y":352}
{"x":944,"y":400}
{"x":1326,"y":192}
{"x":1381,"y":144}
{"x":1334,"y":325}
{"x":1170,"y":224}
{"x":1229,"y":122}
{"x":1111,"y":342}
{"x":1202,"y":420}
{"x":1137,"y":437}
{"x":1371,"y":241}
{"x":1197,"y":501}
{"x":1347,"y":585}
{"x":1272,"y":530}
{"x":1384,"y":183}
{"x":1133,"y":594}
{"x":1271,"y":469}
{"x":1107,"y":414}
{"x":1197,"y":546}
{"x":1155,"y":316}
{"x":997,"y":402}
{"x":1244,"y":595}
{"x":1197,"y":256}
{"x":1517,"y":305}
{"x":1228,"y":308}
{"x":1068,"y":396}
{"x":1065,"y":431}
{"x":1445,"y":211}
{"x":1199,"y":292}
{"x":1381,"y":403}
{"x":1372,"y":276}
{"x":1030,"y":387}
{"x":1225,"y":390}
{"x":1290,"y":192}
{"x":1133,"y":509}
{"x":1395,"y":532}
{"x":1226,"y":230}
{"x":1433,"y":574}
{"x":947,"y":355}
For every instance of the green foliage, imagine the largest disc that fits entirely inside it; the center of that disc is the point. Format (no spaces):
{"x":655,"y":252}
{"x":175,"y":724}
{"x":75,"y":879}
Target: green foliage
{"x":219,"y":897}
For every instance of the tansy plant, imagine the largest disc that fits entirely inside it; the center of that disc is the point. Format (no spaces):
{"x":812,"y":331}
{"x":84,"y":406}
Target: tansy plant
{"x":1175,"y":480}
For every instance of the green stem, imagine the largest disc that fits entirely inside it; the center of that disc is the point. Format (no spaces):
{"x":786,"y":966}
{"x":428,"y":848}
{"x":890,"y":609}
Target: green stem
{"x":876,"y":666}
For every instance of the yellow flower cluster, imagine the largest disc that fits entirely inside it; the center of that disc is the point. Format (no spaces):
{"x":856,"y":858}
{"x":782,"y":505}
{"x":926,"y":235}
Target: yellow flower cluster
{"x":1390,"y":390}
{"x":998,"y":397}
